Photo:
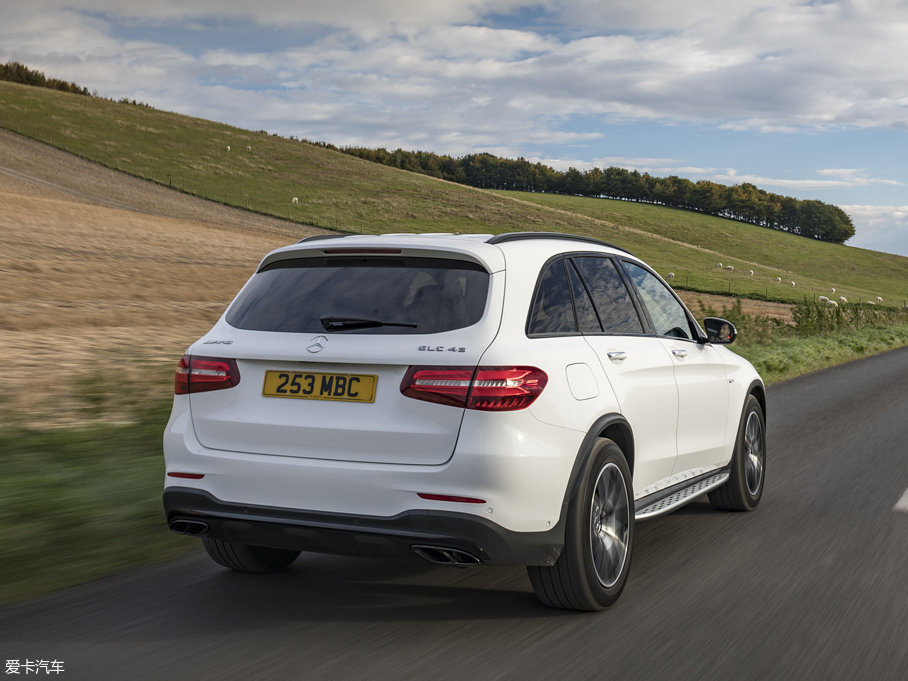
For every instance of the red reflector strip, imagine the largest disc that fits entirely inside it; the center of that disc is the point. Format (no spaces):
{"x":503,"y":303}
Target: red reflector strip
{"x":448,"y":497}
{"x":361,"y":251}
{"x":189,"y":476}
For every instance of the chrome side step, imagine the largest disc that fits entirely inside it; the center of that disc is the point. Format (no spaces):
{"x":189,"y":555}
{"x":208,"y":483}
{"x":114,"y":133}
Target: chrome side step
{"x":680,"y":496}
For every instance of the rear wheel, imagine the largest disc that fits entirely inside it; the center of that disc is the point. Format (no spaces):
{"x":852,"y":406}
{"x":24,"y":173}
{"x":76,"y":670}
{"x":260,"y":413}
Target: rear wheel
{"x":592,"y":570}
{"x":744,"y":488}
{"x":247,"y":558}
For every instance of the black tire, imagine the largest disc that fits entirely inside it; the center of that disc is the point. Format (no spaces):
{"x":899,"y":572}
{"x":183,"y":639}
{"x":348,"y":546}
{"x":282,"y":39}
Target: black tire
{"x":744,"y":488}
{"x":246,"y":558}
{"x":592,"y":570}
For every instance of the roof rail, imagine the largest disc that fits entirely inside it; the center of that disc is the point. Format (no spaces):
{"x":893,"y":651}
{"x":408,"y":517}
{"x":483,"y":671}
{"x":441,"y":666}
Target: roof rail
{"x":319,"y":237}
{"x":520,"y":236}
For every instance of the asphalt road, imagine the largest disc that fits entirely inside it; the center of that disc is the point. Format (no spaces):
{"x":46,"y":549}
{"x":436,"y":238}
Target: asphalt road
{"x":813,"y":585}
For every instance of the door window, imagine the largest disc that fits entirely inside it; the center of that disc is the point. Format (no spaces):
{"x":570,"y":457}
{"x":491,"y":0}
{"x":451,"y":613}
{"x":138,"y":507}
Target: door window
{"x":667,"y":313}
{"x":612,"y":301}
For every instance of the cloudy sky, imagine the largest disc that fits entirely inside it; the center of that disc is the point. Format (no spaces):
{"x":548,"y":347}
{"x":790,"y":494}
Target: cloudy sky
{"x":804,"y":98}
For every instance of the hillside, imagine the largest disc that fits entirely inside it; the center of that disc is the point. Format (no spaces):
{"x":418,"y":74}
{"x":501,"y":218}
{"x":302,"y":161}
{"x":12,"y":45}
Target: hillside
{"x":264,"y":173}
{"x":106,"y":279}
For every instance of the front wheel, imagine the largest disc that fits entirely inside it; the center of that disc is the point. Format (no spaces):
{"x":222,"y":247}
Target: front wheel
{"x":744,"y":488}
{"x":592,"y":570}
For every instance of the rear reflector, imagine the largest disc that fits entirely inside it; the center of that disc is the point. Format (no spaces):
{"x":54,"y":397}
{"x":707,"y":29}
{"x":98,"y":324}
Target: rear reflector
{"x":188,"y":476}
{"x":448,"y":497}
{"x":362,"y":251}
{"x":482,"y":388}
{"x":203,"y":374}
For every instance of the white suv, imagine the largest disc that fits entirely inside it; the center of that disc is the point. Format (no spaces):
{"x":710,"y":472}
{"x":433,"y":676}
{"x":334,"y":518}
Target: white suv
{"x":515,"y":399}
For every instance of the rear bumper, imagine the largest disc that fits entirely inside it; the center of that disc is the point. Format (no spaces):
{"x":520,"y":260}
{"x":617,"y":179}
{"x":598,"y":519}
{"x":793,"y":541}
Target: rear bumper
{"x":345,"y":534}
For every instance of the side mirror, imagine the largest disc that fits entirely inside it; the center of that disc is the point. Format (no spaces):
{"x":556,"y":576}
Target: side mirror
{"x":720,"y":330}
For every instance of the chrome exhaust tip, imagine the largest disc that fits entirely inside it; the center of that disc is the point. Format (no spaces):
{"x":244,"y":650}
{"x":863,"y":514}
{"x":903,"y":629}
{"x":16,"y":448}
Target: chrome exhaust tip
{"x":193,"y":528}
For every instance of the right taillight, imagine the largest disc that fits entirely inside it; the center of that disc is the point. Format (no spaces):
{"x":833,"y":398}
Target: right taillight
{"x":494,"y":388}
{"x":203,"y":374}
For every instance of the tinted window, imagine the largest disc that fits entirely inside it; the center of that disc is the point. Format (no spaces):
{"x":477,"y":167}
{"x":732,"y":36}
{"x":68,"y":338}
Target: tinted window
{"x":552,"y":310}
{"x":610,"y":296}
{"x":293,"y":295}
{"x":587,"y":319}
{"x":667,"y":313}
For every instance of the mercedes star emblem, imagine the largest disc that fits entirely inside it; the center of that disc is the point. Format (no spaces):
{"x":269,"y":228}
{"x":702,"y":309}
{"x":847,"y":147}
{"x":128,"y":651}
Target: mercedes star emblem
{"x":317,"y":344}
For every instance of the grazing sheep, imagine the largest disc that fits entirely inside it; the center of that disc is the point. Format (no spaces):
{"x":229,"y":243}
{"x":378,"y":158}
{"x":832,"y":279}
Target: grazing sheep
{"x":792,"y":283}
{"x":843,"y":299}
{"x":879,"y":300}
{"x":730,"y":268}
{"x":823,"y":299}
{"x":750,"y":272}
{"x":832,"y":303}
{"x":228,"y":147}
{"x":294,"y":200}
{"x":833,"y":290}
{"x":248,"y":148}
{"x":870,"y":302}
{"x":778,"y":280}
{"x":719,"y":265}
{"x":671,"y":275}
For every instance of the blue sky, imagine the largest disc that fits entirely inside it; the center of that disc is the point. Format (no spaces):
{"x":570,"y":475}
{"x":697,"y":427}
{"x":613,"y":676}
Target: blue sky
{"x":804,"y":98}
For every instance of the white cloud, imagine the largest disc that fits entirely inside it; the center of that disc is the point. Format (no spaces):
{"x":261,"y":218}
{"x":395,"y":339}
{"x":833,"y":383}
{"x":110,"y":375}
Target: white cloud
{"x":842,"y":179}
{"x":770,"y":65}
{"x":881,"y":228}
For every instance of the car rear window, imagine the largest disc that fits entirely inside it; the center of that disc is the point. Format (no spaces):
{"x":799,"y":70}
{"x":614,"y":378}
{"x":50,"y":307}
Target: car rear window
{"x":434,"y":294}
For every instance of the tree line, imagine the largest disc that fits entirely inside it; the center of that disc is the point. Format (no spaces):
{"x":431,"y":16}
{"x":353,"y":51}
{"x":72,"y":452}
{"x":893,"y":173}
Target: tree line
{"x":19,"y":73}
{"x":744,"y":202}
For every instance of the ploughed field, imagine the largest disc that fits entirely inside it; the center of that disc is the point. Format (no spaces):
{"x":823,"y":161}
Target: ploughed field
{"x":106,"y":279}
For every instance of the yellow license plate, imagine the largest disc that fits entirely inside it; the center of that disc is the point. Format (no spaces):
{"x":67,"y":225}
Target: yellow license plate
{"x":309,"y":386}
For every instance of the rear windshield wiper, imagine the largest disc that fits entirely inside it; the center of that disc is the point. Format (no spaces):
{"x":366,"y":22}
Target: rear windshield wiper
{"x":340,"y":323}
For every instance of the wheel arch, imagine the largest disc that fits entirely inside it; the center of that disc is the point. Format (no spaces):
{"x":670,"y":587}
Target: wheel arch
{"x":612,"y":426}
{"x":758,"y":390}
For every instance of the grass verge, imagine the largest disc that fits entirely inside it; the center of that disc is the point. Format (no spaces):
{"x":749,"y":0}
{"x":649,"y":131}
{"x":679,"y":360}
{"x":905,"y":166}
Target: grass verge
{"x":79,"y":503}
{"x":819,"y":337}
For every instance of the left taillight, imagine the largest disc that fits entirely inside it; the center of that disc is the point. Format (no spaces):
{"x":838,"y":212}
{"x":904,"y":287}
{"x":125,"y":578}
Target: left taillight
{"x":203,"y":374}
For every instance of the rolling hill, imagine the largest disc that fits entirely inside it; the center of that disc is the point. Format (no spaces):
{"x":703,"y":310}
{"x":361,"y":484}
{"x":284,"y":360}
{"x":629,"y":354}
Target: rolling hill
{"x":264,"y":173}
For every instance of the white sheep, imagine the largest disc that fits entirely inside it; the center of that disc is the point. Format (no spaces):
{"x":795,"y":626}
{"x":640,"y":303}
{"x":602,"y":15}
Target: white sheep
{"x":719,"y":265}
{"x":228,"y":147}
{"x":248,"y":148}
{"x":823,"y":299}
{"x":870,"y":302}
{"x":778,"y":280}
{"x":671,"y":275}
{"x":843,"y":299}
{"x":879,"y":300}
{"x":792,"y":283}
{"x":833,"y":290}
{"x":730,"y":268}
{"x":832,"y":303}
{"x":750,"y":272}
{"x":295,"y":200}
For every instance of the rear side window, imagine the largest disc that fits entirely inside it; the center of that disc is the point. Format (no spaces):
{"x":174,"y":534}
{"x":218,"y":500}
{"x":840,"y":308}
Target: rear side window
{"x":429,"y":295}
{"x":553,"y":310}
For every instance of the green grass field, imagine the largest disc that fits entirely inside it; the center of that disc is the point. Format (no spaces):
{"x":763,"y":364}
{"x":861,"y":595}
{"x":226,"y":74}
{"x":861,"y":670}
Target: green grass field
{"x":264,"y":173}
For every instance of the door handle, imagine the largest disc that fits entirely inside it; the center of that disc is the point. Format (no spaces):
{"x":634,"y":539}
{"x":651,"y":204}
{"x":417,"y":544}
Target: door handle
{"x":678,"y":352}
{"x":617,"y":355}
